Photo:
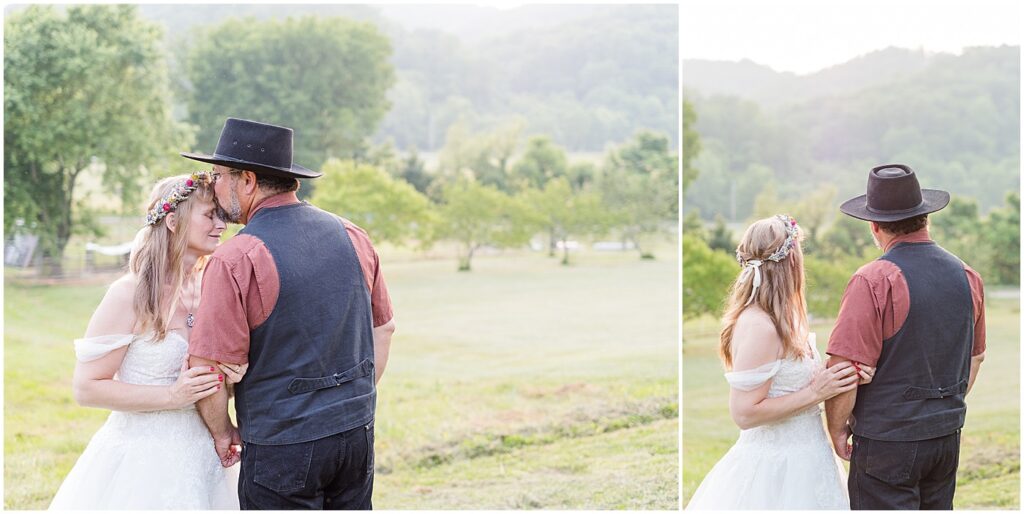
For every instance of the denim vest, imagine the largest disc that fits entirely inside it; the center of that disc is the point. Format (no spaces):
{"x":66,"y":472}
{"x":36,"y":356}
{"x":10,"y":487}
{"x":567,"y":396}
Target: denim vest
{"x":918,"y":390}
{"x":311,"y":362}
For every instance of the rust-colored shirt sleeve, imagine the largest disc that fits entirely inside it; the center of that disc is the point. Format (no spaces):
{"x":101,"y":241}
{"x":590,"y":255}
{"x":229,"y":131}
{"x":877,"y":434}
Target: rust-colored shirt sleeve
{"x":857,"y":334}
{"x":978,"y":298}
{"x":369,"y":261}
{"x":240,"y":288}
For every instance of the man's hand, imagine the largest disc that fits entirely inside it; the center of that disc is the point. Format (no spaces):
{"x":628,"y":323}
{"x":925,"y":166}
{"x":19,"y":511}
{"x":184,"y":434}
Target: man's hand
{"x":229,"y":447}
{"x":841,"y":442}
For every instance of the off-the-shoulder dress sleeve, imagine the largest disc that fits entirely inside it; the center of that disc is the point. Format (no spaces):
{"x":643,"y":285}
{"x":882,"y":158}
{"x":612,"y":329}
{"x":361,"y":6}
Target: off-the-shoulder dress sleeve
{"x":750,"y":379}
{"x":92,"y":348}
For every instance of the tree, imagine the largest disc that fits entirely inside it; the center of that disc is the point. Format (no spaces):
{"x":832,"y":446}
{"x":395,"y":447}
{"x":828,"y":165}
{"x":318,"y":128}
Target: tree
{"x":959,"y":229}
{"x":388,"y":209}
{"x":1003,"y":235}
{"x":691,"y":144}
{"x":86,"y":86}
{"x":720,"y":237}
{"x":566,"y":213}
{"x":326,"y":78}
{"x":542,"y":161}
{"x":707,"y":275}
{"x":414,"y":171}
{"x":475,"y":215}
{"x":814,"y":211}
{"x":846,"y":237}
{"x":640,"y":182}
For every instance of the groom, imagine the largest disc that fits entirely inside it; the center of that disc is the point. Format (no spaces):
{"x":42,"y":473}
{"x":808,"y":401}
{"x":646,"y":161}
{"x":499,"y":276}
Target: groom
{"x":916,"y":313}
{"x":298,"y":295}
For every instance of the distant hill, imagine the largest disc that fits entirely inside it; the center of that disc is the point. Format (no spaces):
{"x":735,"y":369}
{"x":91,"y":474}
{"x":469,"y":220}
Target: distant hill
{"x":762,"y":84}
{"x":954,"y":118}
{"x":588,"y":75}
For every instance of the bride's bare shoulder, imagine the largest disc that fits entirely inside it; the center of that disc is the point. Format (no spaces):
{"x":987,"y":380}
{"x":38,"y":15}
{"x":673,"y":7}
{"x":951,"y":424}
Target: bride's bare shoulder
{"x":116,"y":312}
{"x":754,"y":337}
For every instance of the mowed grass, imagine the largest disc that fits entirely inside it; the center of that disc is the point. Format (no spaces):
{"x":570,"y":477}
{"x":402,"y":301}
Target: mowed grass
{"x":989,"y":472}
{"x":522,"y":384}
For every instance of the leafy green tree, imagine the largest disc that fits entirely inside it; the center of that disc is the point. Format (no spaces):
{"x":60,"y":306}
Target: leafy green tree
{"x":826,"y":282}
{"x":542,"y":162}
{"x":566,"y":213}
{"x":326,"y":78}
{"x":83,"y":86}
{"x":846,"y":237}
{"x":960,"y":229}
{"x":693,"y":225}
{"x":388,"y":209}
{"x":721,"y":238}
{"x":1002,"y":235}
{"x":414,"y":171}
{"x":707,"y":275}
{"x":813,"y":212}
{"x":582,"y":175}
{"x":691,"y":144}
{"x":475,"y":215}
{"x":640,"y":182}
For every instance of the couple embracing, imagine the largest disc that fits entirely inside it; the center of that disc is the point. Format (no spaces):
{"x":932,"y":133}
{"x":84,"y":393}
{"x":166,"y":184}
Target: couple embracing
{"x":904,"y":353}
{"x":292,"y":313}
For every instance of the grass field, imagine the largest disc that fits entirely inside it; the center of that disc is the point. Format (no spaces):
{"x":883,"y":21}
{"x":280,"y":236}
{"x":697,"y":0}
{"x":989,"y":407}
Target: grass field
{"x":989,"y":473}
{"x":523,"y":384}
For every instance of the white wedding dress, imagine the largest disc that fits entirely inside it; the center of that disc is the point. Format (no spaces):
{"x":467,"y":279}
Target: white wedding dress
{"x":147,"y":460}
{"x":786,"y":465}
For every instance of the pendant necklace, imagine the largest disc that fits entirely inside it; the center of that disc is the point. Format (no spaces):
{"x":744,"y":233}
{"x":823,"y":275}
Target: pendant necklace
{"x":191,"y":319}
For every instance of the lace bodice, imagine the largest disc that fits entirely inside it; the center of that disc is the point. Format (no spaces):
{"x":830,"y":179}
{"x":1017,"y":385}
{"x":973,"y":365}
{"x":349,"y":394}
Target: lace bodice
{"x":787,"y":376}
{"x":154,"y":362}
{"x":147,"y":362}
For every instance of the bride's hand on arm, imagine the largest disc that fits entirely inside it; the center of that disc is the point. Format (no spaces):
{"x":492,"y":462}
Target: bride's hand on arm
{"x":834,"y":380}
{"x":233,"y":373}
{"x":93,"y":383}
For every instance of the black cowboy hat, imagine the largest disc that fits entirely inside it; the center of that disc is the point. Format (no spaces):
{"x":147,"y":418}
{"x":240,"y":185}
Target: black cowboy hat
{"x":893,"y":195}
{"x":255,"y":146}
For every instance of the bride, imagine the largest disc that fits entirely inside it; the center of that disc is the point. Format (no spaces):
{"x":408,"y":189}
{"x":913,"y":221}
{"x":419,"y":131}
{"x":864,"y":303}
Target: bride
{"x":154,"y":450}
{"x":782,"y":459}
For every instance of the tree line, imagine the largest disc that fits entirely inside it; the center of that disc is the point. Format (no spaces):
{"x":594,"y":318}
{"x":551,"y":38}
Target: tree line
{"x":91,"y":87}
{"x":835,"y":245}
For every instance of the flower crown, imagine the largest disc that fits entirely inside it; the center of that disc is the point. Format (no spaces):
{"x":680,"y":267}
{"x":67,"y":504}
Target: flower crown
{"x":178,"y":194}
{"x":792,"y":229}
{"x":752,"y":267}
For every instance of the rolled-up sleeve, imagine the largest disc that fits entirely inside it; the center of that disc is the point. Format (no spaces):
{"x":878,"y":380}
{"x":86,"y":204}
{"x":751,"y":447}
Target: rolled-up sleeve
{"x":857,"y":334}
{"x":221,"y":330}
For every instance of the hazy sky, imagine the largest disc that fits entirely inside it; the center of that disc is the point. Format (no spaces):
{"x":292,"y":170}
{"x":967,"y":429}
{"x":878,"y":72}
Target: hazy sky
{"x":804,"y":36}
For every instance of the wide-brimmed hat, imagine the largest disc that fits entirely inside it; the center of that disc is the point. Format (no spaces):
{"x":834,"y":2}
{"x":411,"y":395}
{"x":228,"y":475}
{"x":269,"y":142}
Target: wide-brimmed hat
{"x":893,"y":195}
{"x":254,"y":146}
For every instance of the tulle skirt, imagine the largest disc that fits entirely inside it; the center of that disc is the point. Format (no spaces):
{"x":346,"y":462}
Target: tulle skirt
{"x":788,"y":465}
{"x":150,"y":460}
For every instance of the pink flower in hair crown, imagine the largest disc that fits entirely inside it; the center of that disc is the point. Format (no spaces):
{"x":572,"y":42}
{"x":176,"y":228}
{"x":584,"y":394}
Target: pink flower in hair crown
{"x":179,"y":193}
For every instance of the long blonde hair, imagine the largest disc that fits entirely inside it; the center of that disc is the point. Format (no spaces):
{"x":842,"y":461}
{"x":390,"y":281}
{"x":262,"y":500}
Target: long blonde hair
{"x":157,"y":258}
{"x":781,"y":293}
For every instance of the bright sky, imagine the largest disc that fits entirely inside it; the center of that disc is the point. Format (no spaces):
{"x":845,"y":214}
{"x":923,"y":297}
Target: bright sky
{"x":804,"y":36}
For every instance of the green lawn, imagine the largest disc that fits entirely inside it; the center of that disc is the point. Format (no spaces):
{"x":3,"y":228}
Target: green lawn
{"x":989,"y":475}
{"x":523,"y":384}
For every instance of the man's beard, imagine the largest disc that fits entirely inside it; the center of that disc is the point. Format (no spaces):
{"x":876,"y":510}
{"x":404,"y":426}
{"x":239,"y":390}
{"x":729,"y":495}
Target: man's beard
{"x":233,"y":214}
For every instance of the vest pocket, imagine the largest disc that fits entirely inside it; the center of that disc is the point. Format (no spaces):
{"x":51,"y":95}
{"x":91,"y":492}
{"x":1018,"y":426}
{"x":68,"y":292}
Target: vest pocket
{"x":306,"y":385}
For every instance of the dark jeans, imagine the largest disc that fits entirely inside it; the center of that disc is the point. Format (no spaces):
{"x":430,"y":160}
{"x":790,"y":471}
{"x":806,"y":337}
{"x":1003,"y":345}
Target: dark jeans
{"x":910,"y":475}
{"x":333,"y":473}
